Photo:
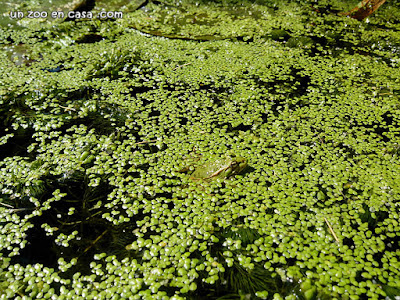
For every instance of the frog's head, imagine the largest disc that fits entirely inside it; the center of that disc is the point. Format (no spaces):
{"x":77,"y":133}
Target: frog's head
{"x":237,"y":165}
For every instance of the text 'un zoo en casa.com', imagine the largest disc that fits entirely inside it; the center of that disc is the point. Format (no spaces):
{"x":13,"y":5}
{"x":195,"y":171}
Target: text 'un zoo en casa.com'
{"x":70,"y":14}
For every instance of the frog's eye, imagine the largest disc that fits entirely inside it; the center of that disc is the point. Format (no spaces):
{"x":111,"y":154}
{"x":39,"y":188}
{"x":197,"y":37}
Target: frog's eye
{"x":232,"y":167}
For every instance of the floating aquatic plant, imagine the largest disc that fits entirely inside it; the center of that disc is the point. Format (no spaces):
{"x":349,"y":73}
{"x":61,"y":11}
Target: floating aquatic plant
{"x":97,"y":134}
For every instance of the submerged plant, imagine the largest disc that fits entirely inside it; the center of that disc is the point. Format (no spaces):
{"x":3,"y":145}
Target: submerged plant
{"x":93,"y":200}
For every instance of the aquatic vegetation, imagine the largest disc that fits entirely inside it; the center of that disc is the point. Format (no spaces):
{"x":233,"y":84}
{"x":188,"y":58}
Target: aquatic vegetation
{"x":96,"y":129}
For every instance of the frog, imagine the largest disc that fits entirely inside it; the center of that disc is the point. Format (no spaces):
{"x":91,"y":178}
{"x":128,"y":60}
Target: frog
{"x":220,"y":168}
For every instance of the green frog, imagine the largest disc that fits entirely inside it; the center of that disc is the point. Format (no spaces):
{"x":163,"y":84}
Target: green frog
{"x":220,"y":168}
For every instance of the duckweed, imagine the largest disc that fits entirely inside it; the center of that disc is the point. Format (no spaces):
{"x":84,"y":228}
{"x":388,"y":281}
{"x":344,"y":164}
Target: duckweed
{"x":99,"y":117}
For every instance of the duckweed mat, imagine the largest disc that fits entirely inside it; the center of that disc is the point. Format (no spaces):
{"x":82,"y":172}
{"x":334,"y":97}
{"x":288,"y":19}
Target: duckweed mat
{"x":98,"y":118}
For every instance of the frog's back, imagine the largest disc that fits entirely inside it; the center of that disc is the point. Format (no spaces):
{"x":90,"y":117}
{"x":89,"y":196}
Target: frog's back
{"x":209,"y":169}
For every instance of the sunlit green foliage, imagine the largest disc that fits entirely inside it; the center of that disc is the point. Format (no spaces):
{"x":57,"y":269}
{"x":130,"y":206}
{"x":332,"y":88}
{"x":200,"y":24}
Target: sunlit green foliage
{"x":95,"y":132}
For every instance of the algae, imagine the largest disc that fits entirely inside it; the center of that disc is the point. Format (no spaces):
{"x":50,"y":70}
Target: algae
{"x":98,"y":117}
